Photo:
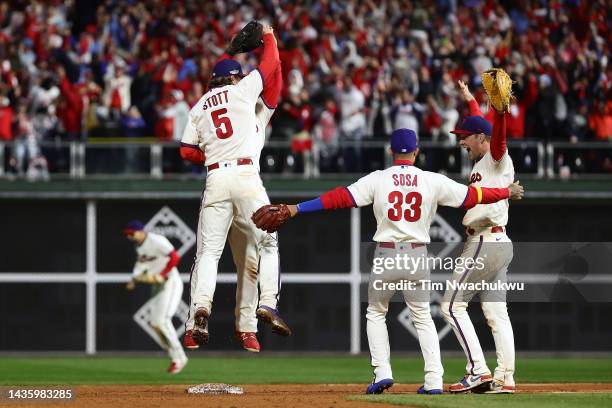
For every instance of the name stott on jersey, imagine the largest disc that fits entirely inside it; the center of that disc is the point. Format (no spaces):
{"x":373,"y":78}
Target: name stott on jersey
{"x":405,"y":200}
{"x":489,"y":173}
{"x":223,"y":122}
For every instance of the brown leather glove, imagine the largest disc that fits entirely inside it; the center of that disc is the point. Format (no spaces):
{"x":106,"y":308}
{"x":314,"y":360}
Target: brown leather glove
{"x":271,"y":217}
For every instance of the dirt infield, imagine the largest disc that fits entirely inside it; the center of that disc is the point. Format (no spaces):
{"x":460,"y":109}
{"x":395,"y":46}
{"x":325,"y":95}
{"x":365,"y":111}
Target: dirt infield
{"x":255,"y":396}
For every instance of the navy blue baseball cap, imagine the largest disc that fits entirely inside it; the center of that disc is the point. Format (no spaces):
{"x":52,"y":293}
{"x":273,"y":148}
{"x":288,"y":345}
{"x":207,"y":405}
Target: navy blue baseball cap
{"x":226,"y":67}
{"x":473,"y":125}
{"x":403,"y":141}
{"x":133,"y":226}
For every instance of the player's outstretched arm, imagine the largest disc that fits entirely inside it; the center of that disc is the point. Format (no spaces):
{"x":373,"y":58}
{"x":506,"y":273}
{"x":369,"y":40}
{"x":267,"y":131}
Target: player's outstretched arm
{"x":270,"y":59}
{"x":498,"y":85}
{"x":271,"y":217}
{"x":469,"y":99}
{"x":488,"y":195}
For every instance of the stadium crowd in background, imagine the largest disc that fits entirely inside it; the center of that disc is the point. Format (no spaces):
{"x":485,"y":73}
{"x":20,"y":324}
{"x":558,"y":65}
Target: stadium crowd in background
{"x":352,"y":70}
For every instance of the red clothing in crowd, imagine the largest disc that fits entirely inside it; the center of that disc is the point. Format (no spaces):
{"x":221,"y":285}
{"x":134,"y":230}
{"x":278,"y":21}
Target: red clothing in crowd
{"x":72,"y":111}
{"x":6,"y":123}
{"x":601,"y":123}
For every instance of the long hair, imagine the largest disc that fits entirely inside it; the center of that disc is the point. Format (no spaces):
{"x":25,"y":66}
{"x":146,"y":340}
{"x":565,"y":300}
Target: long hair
{"x":222,"y":81}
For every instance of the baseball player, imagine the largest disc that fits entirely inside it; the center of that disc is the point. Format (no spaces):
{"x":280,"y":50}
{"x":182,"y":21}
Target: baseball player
{"x":224,"y":133}
{"x":244,"y":248}
{"x":487,"y":239}
{"x":156,"y":261}
{"x":405,"y":199}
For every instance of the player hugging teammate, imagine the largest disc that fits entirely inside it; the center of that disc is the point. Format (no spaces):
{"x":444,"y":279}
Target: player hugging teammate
{"x":226,"y":132}
{"x":404,"y":212}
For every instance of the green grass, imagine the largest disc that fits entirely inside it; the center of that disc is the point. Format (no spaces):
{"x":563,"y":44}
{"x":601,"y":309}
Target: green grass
{"x":584,"y":400}
{"x":260,"y":369}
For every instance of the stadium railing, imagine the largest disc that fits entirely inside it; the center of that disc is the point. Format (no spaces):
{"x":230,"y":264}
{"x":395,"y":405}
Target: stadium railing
{"x":156,"y":160}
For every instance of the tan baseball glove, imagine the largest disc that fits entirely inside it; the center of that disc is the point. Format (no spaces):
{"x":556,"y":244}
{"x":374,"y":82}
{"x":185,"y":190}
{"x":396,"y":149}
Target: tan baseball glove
{"x":271,"y":217}
{"x":498,"y":85}
{"x":150,"y":279}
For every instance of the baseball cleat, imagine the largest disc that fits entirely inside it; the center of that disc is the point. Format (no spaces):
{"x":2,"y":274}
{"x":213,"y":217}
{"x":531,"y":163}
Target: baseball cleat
{"x":434,"y":391}
{"x":189,"y":342}
{"x":249,"y":341}
{"x":379,"y":387}
{"x":199,"y":333}
{"x":498,"y":387}
{"x":272,"y":317}
{"x":469,"y":382}
{"x":176,"y":366}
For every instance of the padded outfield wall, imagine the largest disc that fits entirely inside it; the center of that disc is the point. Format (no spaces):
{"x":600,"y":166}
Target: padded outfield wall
{"x":63,"y":257}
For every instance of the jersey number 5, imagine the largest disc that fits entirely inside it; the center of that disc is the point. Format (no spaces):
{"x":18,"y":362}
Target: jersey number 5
{"x":222,"y":121}
{"x":410,"y":214}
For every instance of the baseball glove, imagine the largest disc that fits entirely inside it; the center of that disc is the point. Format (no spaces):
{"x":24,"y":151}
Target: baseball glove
{"x":271,"y":217}
{"x":249,"y":38}
{"x":149,"y":279}
{"x":498,"y":85}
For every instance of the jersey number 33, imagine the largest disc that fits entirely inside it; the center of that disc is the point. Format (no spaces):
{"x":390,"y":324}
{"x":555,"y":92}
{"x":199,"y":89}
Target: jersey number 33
{"x":411,"y":212}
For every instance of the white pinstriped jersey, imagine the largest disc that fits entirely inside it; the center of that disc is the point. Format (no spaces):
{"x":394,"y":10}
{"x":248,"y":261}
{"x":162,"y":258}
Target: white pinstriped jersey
{"x":489,"y":173}
{"x":405,"y":200}
{"x":223,"y":122}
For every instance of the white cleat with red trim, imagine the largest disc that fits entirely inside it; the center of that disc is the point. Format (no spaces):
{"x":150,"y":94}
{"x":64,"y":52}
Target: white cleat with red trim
{"x":498,"y":387}
{"x":470,"y":381}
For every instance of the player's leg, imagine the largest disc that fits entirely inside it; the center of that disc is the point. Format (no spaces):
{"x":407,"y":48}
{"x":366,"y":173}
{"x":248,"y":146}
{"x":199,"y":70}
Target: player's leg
{"x":244,"y":253}
{"x":252,"y":196}
{"x":216,"y":219}
{"x":188,"y":340}
{"x":378,"y":337}
{"x":170,"y":298}
{"x":495,"y":309}
{"x":454,"y":310}
{"x":157,"y":303}
{"x":417,"y":301}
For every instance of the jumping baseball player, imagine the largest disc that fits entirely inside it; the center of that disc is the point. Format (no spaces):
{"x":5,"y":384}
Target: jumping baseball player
{"x":156,"y":261}
{"x":244,"y":247}
{"x":486,"y":239}
{"x":225,"y":134}
{"x":405,"y":199}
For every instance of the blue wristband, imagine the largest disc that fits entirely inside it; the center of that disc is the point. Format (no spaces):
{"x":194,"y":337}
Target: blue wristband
{"x":310,"y":206}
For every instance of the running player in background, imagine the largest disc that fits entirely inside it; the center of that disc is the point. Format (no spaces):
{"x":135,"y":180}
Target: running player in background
{"x":156,"y":261}
{"x":224,"y":134}
{"x":405,"y":200}
{"x":244,"y":247}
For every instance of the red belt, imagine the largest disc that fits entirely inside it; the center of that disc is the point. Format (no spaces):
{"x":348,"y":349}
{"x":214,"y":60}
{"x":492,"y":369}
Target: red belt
{"x":497,"y":228}
{"x":239,"y":162}
{"x":391,"y":245}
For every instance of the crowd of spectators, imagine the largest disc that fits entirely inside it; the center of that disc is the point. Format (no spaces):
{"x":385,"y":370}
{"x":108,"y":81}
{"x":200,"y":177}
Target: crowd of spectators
{"x":353,"y":70}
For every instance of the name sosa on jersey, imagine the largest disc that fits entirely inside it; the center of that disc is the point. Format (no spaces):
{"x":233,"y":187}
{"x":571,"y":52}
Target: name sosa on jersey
{"x":408,"y":180}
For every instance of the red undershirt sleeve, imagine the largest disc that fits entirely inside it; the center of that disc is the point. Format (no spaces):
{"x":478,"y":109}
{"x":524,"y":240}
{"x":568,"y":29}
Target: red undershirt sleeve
{"x":192,"y":153}
{"x":474,"y":108}
{"x":340,"y":197}
{"x":272,"y":90}
{"x":498,"y":139}
{"x":270,"y":59}
{"x":484,"y":195}
{"x":172,"y":262}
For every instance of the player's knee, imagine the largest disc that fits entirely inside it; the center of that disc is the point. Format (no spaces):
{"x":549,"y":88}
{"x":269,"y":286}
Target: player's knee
{"x":445,"y":310}
{"x":376,"y":312}
{"x":268,"y":245}
{"x":495,"y":312}
{"x":211,"y":251}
